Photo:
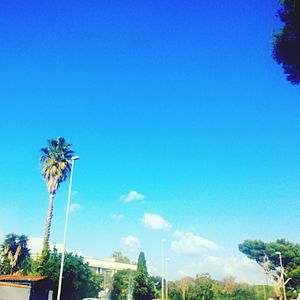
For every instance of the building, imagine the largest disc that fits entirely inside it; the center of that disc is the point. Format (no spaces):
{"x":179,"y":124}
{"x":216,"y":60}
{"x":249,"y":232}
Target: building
{"x":14,"y":287}
{"x":107,"y":267}
{"x":110,"y":266}
{"x":102,"y":266}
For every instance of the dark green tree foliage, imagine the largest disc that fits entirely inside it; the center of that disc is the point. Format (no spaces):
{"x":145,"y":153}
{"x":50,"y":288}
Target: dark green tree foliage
{"x":120,"y":285}
{"x":78,"y":281}
{"x":116,"y":290}
{"x":15,"y":255}
{"x":244,"y":293}
{"x":142,"y":264}
{"x":286,"y":46}
{"x":155,"y":281}
{"x":202,"y":288}
{"x":174,"y":292}
{"x":257,"y":250}
{"x":39,"y":266}
{"x":142,"y":286}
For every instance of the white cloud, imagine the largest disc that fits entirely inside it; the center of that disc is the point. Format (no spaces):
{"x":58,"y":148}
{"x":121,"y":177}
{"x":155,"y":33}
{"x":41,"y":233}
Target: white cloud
{"x":132,"y":242}
{"x":153,"y":270}
{"x":155,"y":222}
{"x":242,"y":269}
{"x":75,"y":207}
{"x":132,"y":196}
{"x":35,"y":244}
{"x":74,"y":193}
{"x":60,"y":247}
{"x":118,"y":216}
{"x":187,"y":243}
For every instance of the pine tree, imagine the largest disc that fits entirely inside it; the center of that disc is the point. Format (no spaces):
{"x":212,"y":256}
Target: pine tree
{"x":286,"y":44}
{"x":142,"y":286}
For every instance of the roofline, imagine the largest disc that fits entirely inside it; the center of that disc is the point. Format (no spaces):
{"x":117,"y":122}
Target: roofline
{"x":100,"y":263}
{"x":23,"y":286}
{"x":17,"y":278}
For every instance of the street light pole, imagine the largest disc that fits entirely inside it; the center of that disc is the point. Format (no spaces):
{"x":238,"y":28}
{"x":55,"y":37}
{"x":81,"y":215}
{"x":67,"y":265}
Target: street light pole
{"x":166,"y":276}
{"x":282,"y":271}
{"x":66,"y":227}
{"x":162,"y":269}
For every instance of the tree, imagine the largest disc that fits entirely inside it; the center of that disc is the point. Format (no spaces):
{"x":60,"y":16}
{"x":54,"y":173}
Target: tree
{"x":15,"y":254}
{"x":286,"y":45}
{"x":156,"y":283}
{"x":121,"y":285}
{"x":184,"y":284}
{"x":142,"y":287}
{"x":116,"y":289}
{"x":56,"y":160}
{"x":241,"y":293}
{"x":78,"y":280}
{"x":202,"y":288}
{"x":265,"y":255}
{"x":174,"y":292}
{"x":119,"y":257}
{"x":228,"y":289}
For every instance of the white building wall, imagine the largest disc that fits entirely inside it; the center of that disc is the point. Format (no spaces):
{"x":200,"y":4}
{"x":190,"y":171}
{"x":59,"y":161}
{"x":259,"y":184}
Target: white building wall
{"x":14,"y":293}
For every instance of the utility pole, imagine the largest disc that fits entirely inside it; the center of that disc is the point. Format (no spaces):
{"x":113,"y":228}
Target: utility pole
{"x":66,"y":229}
{"x":166,"y":276}
{"x":129,"y":293}
{"x":162,"y":269}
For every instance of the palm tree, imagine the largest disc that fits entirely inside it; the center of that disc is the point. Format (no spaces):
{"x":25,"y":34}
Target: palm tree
{"x":57,"y":163}
{"x":15,"y":252}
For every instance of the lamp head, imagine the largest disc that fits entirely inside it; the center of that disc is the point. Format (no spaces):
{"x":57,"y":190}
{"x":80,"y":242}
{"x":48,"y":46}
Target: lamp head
{"x":75,"y":157}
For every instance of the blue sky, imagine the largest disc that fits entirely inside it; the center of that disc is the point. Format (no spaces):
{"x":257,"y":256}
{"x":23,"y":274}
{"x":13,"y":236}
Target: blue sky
{"x":178,"y":101}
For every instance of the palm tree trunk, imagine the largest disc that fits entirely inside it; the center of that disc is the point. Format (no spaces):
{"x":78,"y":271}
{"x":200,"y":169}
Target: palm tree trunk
{"x":48,"y":221}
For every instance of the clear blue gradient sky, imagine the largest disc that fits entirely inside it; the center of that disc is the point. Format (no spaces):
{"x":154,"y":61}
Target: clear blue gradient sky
{"x":177,"y":100}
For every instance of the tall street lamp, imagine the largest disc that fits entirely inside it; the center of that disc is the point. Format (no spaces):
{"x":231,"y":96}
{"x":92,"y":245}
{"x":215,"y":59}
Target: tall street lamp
{"x":66,"y":227}
{"x":162,"y":268}
{"x":166,"y":276}
{"x":282,"y":274}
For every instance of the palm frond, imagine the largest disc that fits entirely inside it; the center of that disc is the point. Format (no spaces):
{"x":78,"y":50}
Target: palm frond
{"x":56,"y":160}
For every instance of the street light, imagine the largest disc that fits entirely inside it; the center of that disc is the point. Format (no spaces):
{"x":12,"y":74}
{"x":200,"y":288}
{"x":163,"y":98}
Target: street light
{"x":167,"y":294}
{"x":66,"y":227}
{"x":282,"y":273}
{"x":162,"y":268}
